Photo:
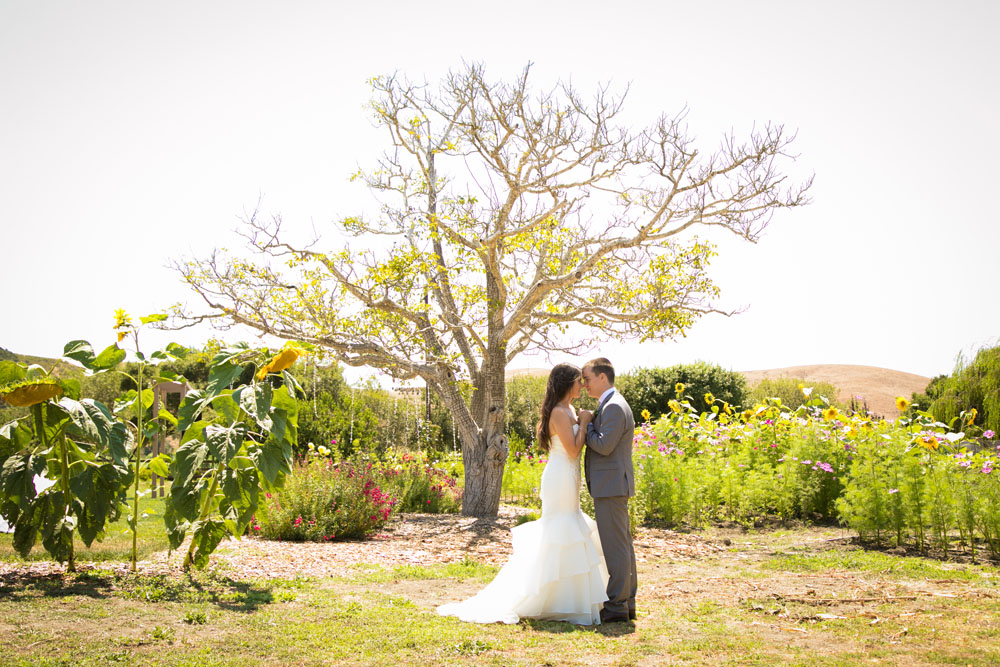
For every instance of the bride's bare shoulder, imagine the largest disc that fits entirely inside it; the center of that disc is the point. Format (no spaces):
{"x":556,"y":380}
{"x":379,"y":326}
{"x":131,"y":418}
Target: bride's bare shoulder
{"x":562,"y":417}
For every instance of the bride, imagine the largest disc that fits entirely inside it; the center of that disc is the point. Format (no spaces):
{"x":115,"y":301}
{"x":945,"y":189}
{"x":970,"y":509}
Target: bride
{"x":557,"y":570}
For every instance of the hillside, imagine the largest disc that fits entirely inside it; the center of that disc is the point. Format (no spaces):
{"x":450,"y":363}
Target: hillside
{"x":878,"y":386}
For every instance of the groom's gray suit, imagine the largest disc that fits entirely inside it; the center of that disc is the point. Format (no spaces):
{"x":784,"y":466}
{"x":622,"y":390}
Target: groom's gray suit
{"x":611,"y":481}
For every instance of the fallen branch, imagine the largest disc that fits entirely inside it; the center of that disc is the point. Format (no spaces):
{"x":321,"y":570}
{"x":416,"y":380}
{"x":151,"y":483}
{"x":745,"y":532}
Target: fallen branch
{"x":831,"y":600}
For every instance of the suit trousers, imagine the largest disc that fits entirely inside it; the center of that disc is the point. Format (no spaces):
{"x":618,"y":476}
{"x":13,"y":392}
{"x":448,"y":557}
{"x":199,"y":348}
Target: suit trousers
{"x":611,"y":515}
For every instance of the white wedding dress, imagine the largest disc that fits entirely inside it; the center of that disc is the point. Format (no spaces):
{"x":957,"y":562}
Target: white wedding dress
{"x":557,"y":570}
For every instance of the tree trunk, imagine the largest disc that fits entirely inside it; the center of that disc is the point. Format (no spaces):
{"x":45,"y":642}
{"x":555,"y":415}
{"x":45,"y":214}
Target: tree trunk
{"x":484,"y":460}
{"x":485,"y":454}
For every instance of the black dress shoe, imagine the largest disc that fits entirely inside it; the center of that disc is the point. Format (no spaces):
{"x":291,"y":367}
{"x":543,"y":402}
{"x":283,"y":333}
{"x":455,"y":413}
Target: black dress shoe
{"x":609,"y":617}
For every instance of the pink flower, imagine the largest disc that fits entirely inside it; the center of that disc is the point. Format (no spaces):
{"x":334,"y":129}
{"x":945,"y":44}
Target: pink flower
{"x":892,"y":491}
{"x":989,"y":434}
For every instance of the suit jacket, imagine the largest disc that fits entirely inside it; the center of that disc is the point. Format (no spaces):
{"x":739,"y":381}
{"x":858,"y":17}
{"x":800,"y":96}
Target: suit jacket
{"x":608,"y":461}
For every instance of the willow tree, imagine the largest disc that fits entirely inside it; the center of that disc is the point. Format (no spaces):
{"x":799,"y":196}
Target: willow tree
{"x":511,"y":219}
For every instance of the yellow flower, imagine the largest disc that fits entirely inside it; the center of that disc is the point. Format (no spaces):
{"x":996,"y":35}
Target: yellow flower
{"x":930,"y":442}
{"x":971,"y":416}
{"x":30,"y":393}
{"x":679,"y":388}
{"x":279,"y":362}
{"x":675,"y":406}
{"x":709,"y":399}
{"x":122,"y":320}
{"x":747,"y":414}
{"x":902,"y":404}
{"x":830,"y":413}
{"x":729,"y":410}
{"x":646,"y":415}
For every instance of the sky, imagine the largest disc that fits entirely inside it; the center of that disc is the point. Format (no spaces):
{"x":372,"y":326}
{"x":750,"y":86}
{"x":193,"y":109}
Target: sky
{"x":133,"y":135}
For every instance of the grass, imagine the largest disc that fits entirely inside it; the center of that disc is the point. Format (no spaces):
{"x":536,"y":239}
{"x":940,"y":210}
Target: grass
{"x":117,"y":543}
{"x":881,"y":563}
{"x":692,"y":612}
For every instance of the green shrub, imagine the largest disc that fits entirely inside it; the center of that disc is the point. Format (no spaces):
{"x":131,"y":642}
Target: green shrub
{"x":323,"y":501}
{"x":974,"y":385}
{"x":787,"y":389}
{"x":653,"y":388}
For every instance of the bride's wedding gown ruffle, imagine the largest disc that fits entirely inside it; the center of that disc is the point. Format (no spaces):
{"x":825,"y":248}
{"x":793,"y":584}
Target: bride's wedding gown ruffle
{"x":557,"y":570}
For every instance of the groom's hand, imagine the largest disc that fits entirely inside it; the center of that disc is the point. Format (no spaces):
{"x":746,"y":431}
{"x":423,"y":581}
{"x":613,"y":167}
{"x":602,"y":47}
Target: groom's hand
{"x":585,"y":417}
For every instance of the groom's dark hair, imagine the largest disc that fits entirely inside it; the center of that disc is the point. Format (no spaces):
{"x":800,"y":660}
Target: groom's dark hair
{"x":602,"y":365}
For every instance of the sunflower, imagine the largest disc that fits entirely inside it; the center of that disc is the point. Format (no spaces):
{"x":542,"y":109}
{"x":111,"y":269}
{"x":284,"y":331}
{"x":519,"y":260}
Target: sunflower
{"x":123,"y":322}
{"x":25,"y":394}
{"x":646,"y":415}
{"x":830,"y":413}
{"x":902,"y":404}
{"x":971,"y":417}
{"x":929,"y":442}
{"x":675,"y":406}
{"x":679,"y":388}
{"x":709,"y":399}
{"x":279,"y":362}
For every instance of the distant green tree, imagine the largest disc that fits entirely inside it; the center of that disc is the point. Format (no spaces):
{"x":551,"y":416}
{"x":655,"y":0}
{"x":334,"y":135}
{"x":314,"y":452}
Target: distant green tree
{"x":787,"y":389}
{"x":974,"y":385}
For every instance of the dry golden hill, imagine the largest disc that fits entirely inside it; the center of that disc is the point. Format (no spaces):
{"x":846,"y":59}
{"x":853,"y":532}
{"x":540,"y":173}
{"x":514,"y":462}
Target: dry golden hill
{"x":878,"y":386}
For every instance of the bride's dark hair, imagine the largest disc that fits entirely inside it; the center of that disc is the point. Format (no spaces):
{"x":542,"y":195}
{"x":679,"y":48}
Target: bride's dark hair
{"x":561,"y":380}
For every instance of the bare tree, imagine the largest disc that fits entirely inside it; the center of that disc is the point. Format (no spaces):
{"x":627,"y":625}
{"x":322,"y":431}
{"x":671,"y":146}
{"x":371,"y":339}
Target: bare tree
{"x":508,"y":216}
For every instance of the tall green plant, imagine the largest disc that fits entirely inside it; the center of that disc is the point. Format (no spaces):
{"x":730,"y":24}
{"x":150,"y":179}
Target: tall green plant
{"x":238,"y":437}
{"x":77,"y":444}
{"x":134,"y":407}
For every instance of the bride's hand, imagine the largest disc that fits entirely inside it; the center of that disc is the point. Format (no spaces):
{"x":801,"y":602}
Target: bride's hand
{"x":584,"y":416}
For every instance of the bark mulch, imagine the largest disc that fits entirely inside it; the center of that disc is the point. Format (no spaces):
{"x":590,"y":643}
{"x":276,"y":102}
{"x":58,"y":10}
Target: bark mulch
{"x":408,"y":539}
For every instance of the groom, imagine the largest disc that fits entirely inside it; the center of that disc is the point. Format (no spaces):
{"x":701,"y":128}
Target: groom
{"x":611,"y":482}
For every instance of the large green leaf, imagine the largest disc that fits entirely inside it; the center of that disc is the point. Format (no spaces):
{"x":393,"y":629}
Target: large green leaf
{"x":17,"y":479}
{"x":270,"y":459}
{"x":11,"y":371}
{"x":176,"y":526}
{"x":226,"y":406}
{"x":80,"y":425}
{"x":187,"y":467}
{"x":166,"y":416}
{"x":221,"y":376}
{"x":160,"y":465}
{"x":80,"y":350}
{"x":57,"y":533}
{"x":255,"y":400}
{"x":207,"y":535}
{"x":14,"y":437}
{"x":240,"y":489}
{"x":178,"y":351}
{"x":110,"y":357}
{"x":190,"y":408}
{"x":28,"y":523}
{"x":224,"y":441}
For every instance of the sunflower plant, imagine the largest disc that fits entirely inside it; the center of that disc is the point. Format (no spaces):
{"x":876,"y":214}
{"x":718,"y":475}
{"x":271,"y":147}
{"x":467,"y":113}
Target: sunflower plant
{"x":134,"y":407}
{"x":64,"y":466}
{"x":239,"y":432}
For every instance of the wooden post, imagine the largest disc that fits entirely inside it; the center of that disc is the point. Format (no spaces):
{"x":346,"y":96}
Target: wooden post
{"x":160,"y":393}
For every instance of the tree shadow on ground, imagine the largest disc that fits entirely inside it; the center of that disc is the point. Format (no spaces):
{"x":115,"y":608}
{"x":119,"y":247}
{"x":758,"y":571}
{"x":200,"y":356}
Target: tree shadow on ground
{"x":222,"y":592}
{"x":23,"y":585}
